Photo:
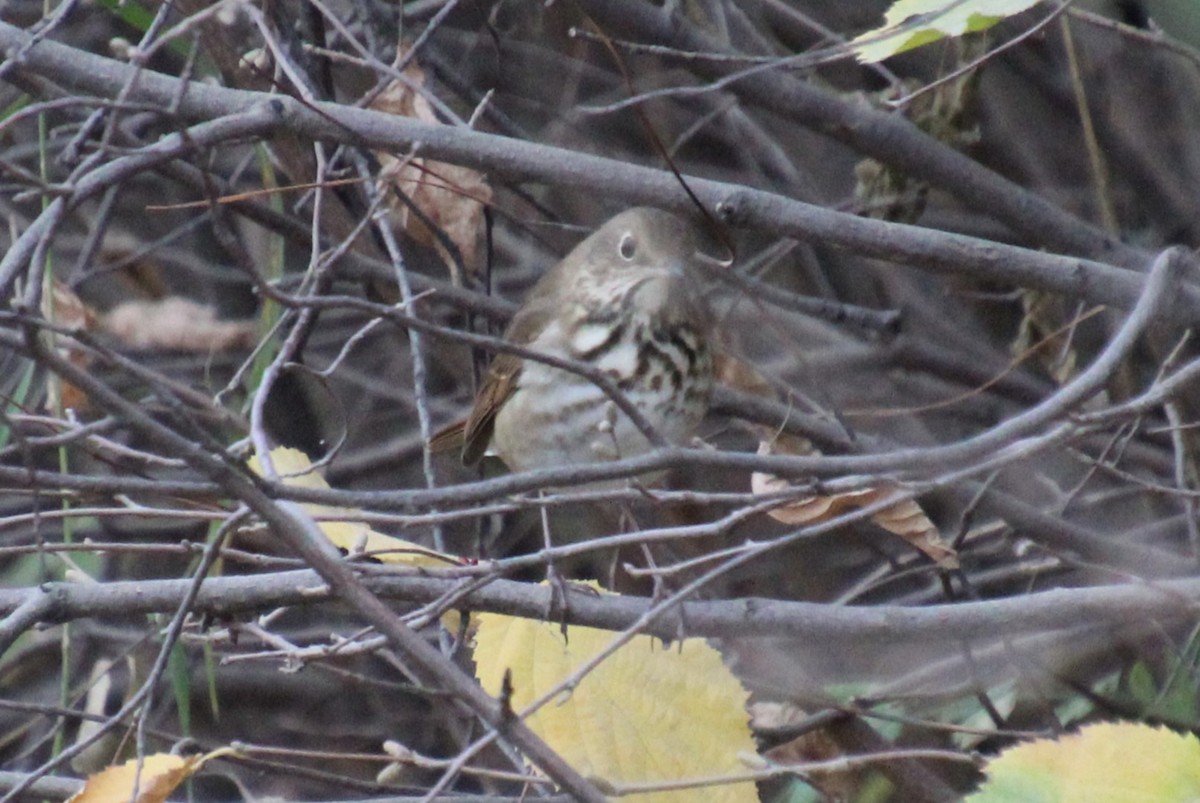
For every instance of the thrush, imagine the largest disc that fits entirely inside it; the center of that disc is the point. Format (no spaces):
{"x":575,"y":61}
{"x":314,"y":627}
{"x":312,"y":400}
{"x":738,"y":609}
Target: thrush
{"x":625,"y":302}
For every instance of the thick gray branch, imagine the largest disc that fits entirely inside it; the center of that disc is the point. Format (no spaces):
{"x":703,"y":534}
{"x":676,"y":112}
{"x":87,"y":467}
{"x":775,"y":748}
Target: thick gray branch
{"x":1062,"y":609}
{"x":939,"y":252}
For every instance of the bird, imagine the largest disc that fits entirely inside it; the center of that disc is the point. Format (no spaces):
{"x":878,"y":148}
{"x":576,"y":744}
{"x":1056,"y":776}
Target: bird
{"x":626,"y":302}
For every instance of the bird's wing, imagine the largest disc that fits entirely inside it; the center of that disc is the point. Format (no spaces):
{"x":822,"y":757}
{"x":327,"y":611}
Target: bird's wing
{"x":501,"y":381}
{"x":499,"y":384}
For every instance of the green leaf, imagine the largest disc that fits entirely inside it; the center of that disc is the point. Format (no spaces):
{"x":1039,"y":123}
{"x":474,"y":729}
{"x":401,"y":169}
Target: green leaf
{"x":17,"y":399}
{"x":1142,"y":686}
{"x":1177,"y":701}
{"x":210,"y":672}
{"x":1175,"y":698}
{"x":181,"y":687}
{"x":139,"y":18}
{"x":1078,"y":706}
{"x":911,"y":23}
{"x":851,"y":693}
{"x":797,"y":791}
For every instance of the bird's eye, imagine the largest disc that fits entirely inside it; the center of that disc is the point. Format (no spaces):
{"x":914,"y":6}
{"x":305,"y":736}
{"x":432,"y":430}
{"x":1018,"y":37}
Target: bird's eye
{"x":627,"y":247}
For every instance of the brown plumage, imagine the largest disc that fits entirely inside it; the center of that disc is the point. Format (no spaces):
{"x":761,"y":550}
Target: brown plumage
{"x":624,"y":300}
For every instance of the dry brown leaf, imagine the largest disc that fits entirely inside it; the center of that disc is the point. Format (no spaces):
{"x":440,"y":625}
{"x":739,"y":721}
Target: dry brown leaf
{"x":904,"y":518}
{"x":813,"y":745}
{"x":67,"y":309}
{"x":741,"y":375}
{"x":450,"y":196}
{"x":176,"y":324}
{"x":907,"y":520}
{"x":1044,"y":329}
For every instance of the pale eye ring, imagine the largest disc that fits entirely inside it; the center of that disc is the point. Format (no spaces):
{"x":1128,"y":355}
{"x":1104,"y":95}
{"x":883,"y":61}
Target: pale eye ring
{"x":627,"y":247}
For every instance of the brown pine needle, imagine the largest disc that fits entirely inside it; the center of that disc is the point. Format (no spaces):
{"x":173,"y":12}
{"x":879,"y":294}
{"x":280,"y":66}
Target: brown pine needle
{"x":245,"y":196}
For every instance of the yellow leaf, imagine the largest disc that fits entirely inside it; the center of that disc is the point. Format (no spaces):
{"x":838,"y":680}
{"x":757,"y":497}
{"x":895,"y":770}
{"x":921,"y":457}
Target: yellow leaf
{"x":648,"y":713}
{"x":354,"y":537}
{"x":1103,"y":763}
{"x":911,"y":23}
{"x":158,"y":777}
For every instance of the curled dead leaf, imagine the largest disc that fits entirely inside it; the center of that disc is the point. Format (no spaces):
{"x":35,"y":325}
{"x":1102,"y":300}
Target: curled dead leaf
{"x":176,"y":324}
{"x":812,"y":745}
{"x":63,"y":307}
{"x":904,"y":518}
{"x":452,"y":198}
{"x":741,"y":375}
{"x":67,"y":309}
